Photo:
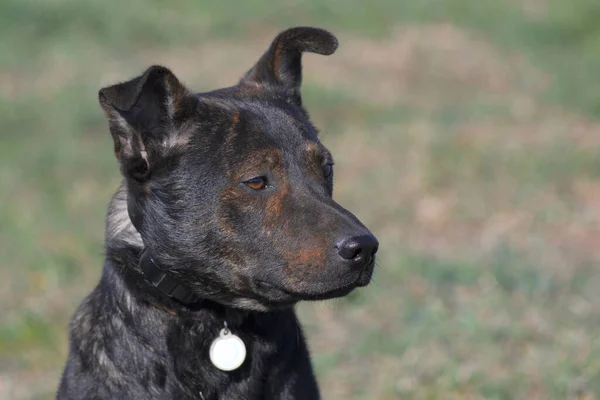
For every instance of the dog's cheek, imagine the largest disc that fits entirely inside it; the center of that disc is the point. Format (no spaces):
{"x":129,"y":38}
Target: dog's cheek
{"x":230,"y":211}
{"x":238,"y":226}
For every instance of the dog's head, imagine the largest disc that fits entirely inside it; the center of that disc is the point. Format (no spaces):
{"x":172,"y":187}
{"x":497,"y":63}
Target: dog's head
{"x":232,"y":189}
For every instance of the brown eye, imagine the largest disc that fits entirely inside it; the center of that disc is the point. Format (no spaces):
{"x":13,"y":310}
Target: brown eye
{"x":258,"y":183}
{"x":327,"y":170}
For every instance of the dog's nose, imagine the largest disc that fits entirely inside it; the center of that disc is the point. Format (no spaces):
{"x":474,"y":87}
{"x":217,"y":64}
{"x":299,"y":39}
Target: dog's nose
{"x":360,"y":250}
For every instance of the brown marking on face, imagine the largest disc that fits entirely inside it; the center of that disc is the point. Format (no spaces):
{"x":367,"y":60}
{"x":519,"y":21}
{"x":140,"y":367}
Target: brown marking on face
{"x":274,"y":207}
{"x":311,"y":256}
{"x":302,"y":260}
{"x":275,"y":202}
{"x":260,"y":161}
{"x":229,"y":198}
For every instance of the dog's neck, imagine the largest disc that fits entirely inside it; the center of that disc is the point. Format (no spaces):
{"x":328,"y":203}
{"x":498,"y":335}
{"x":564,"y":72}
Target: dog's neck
{"x":125,"y":247}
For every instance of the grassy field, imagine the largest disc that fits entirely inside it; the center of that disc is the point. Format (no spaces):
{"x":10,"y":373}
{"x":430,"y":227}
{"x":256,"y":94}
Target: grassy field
{"x":466,"y":135}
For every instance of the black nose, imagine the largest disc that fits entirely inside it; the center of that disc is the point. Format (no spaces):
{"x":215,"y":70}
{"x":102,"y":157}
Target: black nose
{"x":359,"y":249}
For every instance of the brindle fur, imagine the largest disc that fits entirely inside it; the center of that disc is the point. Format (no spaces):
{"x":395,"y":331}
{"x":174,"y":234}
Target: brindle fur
{"x":249,"y":255}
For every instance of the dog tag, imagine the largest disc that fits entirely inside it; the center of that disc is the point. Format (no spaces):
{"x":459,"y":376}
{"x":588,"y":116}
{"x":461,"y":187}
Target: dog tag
{"x":227,"y":352}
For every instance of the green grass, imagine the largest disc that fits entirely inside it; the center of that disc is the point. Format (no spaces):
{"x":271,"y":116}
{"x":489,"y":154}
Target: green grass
{"x":487,"y":281}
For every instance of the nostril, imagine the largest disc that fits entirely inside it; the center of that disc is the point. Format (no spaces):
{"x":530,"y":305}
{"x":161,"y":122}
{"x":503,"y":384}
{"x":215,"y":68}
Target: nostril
{"x":350,"y":249}
{"x":358,"y":248}
{"x":356,"y":253}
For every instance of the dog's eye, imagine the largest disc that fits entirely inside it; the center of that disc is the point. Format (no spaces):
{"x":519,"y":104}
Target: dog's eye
{"x":258,"y":183}
{"x":327,"y":170}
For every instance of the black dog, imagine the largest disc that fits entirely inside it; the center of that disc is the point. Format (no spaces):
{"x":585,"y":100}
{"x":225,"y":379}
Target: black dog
{"x":223,"y":222}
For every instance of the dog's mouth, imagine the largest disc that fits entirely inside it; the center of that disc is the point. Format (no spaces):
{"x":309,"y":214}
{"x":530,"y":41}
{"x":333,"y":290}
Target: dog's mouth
{"x":278,"y":294}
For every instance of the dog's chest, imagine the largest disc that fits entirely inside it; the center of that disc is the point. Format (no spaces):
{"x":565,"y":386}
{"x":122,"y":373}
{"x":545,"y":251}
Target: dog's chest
{"x":194,"y":376}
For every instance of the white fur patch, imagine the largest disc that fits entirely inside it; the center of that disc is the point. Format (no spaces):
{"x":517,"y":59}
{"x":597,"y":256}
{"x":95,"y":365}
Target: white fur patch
{"x":118,"y":225}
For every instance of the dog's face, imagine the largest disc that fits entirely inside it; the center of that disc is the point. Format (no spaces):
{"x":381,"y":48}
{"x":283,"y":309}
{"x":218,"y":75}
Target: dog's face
{"x":232,"y":189}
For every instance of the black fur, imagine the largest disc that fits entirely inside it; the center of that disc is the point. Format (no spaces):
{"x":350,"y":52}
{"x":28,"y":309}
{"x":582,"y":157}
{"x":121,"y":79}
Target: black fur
{"x":249,"y":253}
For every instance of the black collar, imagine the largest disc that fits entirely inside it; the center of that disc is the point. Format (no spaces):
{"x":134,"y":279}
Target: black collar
{"x":165,"y":281}
{"x":158,"y":277}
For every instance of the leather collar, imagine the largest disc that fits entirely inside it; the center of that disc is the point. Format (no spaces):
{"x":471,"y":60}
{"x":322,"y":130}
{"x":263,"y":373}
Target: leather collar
{"x":164,"y":281}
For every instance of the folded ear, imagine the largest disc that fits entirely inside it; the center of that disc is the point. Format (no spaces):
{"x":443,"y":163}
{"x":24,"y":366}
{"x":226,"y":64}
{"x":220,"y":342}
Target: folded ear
{"x":141,"y":115}
{"x":280,"y":68}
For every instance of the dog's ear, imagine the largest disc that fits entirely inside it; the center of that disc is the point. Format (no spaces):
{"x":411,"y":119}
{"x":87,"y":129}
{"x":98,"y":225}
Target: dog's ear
{"x":141,"y":114}
{"x":280,"y":69}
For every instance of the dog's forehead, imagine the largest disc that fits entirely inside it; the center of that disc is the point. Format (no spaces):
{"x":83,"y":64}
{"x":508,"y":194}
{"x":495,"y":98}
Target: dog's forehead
{"x":278,"y":122}
{"x":257,"y":124}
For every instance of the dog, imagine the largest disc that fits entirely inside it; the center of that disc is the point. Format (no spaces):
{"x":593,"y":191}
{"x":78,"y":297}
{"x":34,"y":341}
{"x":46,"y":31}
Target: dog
{"x":223,"y":222}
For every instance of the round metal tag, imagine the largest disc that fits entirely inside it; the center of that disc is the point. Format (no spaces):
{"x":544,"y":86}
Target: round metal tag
{"x":227,"y":352}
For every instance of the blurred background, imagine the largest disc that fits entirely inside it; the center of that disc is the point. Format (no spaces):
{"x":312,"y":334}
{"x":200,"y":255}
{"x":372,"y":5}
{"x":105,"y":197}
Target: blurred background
{"x":466,"y":135}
